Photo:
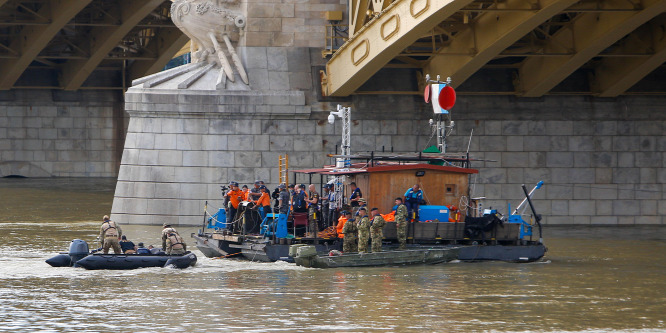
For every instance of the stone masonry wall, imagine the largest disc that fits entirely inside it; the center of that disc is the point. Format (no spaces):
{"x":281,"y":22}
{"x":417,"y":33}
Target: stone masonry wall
{"x":60,"y":134}
{"x":602,"y":159}
{"x":290,"y":23}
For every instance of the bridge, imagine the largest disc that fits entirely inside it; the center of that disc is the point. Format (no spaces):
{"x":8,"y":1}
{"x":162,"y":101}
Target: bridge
{"x":84,"y":44}
{"x":527,"y":48}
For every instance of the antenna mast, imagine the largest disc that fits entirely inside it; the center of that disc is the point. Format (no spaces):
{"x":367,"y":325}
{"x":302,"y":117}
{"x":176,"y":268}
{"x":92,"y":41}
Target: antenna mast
{"x":442,"y":115}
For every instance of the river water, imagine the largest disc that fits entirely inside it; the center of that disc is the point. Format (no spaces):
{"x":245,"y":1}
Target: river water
{"x":594,"y":279}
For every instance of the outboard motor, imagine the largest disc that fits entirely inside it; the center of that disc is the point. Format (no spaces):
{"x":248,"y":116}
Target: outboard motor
{"x":78,"y":250}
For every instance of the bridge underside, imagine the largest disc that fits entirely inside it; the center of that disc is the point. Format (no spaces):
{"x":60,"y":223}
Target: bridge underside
{"x":83,"y":44}
{"x":527,"y":48}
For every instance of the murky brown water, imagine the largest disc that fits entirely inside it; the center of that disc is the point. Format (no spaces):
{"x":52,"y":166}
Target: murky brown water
{"x":594,"y":280}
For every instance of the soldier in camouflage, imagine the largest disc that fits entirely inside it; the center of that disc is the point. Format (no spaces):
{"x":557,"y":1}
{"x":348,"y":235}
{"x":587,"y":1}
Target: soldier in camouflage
{"x":401,"y":223}
{"x":175,"y":244}
{"x":166,"y":230}
{"x":350,"y":231}
{"x":377,"y":230}
{"x":109,"y":234}
{"x":363,"y":230}
{"x":313,"y":212}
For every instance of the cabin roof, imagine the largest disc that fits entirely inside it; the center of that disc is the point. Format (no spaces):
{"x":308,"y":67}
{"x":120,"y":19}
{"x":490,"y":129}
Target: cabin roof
{"x":357,"y":168}
{"x":420,"y":166}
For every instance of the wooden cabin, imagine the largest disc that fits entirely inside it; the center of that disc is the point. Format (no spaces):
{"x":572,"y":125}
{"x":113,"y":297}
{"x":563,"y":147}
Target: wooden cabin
{"x":383,"y":182}
{"x":441,"y":185}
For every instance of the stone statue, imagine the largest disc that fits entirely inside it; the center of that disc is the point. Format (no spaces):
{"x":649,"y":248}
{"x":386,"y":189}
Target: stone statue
{"x":209,"y":23}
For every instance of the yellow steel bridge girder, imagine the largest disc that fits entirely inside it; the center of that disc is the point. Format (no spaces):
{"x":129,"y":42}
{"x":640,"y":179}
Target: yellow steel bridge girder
{"x":587,"y":36}
{"x":33,"y":39}
{"x":489,"y":35}
{"x":383,"y":38}
{"x":615,"y":75}
{"x":357,"y":14}
{"x":105,"y":39}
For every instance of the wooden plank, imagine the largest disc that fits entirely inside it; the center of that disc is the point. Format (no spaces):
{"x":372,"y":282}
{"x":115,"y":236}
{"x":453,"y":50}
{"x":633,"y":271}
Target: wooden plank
{"x":386,"y":186}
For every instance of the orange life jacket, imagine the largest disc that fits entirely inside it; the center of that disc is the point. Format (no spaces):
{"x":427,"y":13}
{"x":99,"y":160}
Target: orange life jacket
{"x":390,"y":217}
{"x":234,"y":197}
{"x":341,"y":224}
{"x":264,"y":200}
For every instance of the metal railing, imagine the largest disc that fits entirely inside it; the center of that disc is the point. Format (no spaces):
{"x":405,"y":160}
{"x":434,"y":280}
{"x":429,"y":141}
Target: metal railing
{"x":336,"y":35}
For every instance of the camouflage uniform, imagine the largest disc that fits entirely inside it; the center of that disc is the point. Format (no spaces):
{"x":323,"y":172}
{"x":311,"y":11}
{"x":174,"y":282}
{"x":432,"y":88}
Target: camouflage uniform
{"x":108,"y":236}
{"x":401,"y":225}
{"x":350,"y":232}
{"x":363,"y":234}
{"x":165,"y":234}
{"x":313,"y":228}
{"x":377,"y":233}
{"x":175,"y":244}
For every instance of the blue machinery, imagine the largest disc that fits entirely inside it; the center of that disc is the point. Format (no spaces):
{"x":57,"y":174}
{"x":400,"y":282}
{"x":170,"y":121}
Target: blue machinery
{"x":218,"y":220}
{"x":273,"y":225}
{"x":517,"y":215}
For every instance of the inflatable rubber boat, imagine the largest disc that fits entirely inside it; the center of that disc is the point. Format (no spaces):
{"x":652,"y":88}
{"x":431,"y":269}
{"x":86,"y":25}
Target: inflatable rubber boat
{"x":79,"y":255}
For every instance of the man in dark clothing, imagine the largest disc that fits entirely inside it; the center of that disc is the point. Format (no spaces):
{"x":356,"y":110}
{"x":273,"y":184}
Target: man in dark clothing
{"x":276,"y":196}
{"x":313,"y":211}
{"x":283,"y":200}
{"x":324,"y":220}
{"x":355,"y":195}
{"x":255,"y":192}
{"x":126,"y":246}
{"x":141,"y":249}
{"x":300,"y":205}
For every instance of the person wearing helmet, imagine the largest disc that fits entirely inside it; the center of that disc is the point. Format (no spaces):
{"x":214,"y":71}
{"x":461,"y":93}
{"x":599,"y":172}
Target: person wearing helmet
{"x":109,"y":235}
{"x":166,"y":230}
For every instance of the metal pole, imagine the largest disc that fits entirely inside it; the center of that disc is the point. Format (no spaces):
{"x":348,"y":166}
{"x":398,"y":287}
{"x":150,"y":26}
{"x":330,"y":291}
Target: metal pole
{"x":518,"y":208}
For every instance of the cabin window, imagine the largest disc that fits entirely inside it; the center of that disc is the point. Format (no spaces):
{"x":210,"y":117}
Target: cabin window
{"x":450,"y":189}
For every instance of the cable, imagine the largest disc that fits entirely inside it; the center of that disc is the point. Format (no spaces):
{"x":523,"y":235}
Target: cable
{"x":606,"y":188}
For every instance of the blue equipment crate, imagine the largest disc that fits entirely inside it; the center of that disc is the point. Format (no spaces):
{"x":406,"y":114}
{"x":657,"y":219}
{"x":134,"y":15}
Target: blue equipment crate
{"x":427,"y":213}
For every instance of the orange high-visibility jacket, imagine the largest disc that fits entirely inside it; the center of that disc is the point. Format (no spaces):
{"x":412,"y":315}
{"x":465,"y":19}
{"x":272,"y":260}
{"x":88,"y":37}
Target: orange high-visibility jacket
{"x":341,"y":224}
{"x":234,"y":197}
{"x":264,"y":200}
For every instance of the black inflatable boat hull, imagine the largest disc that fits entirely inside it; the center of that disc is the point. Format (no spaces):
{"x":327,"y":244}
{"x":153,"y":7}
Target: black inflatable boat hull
{"x":133,"y":261}
{"x":61,"y":260}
